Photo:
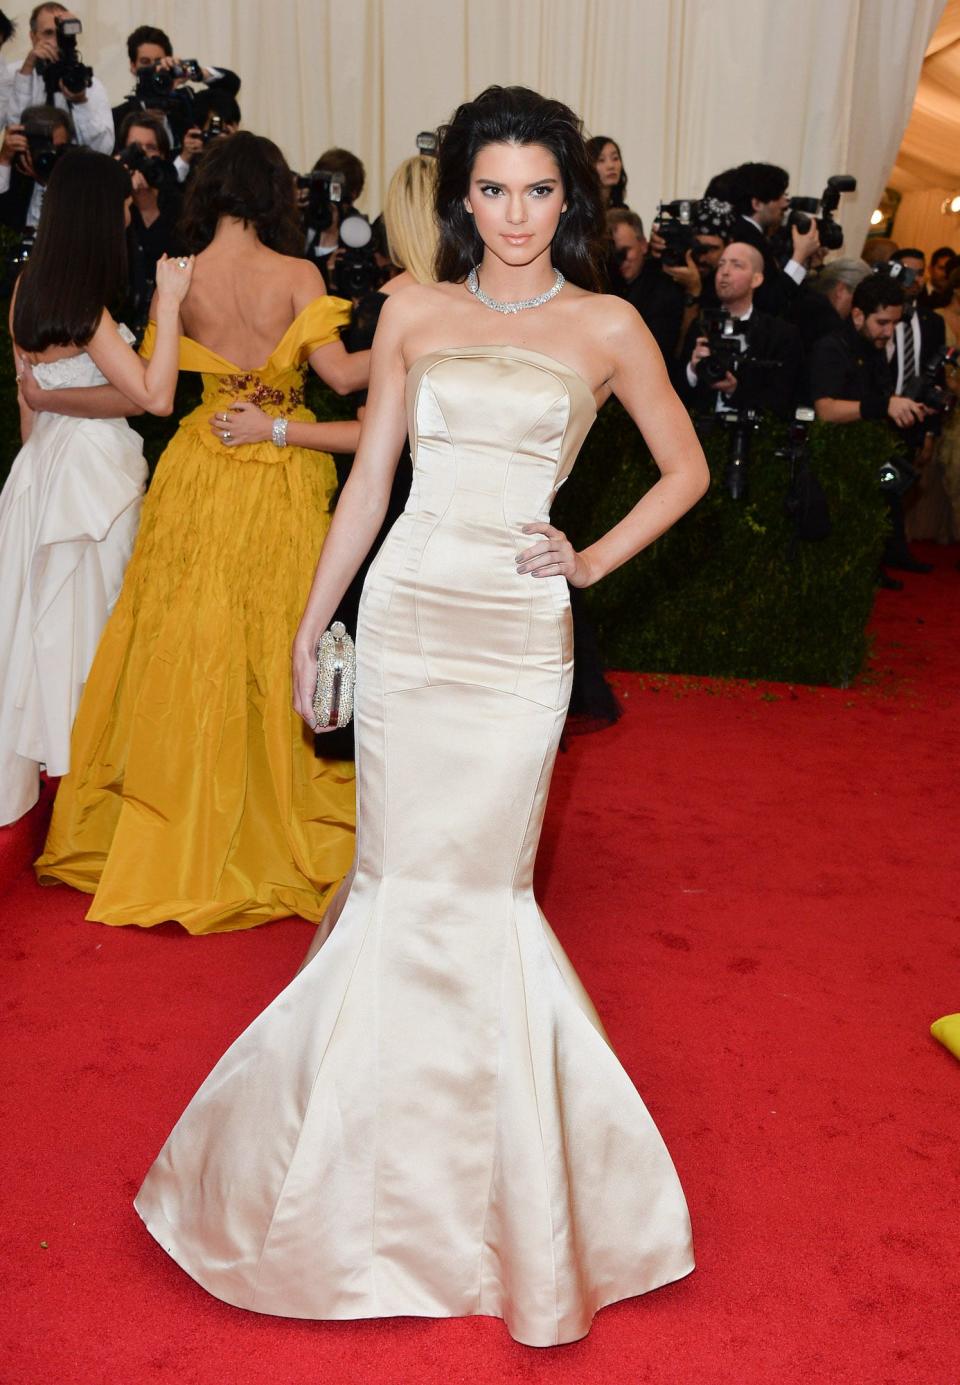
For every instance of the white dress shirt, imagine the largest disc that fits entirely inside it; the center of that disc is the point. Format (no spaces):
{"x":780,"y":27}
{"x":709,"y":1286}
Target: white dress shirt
{"x":92,"y":119}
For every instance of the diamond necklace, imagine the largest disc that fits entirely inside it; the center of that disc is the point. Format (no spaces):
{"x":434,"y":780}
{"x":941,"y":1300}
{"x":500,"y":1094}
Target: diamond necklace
{"x":473,"y":284}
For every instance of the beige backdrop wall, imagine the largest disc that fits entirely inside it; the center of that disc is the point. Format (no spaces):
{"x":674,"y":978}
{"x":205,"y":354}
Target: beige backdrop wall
{"x":687,"y":87}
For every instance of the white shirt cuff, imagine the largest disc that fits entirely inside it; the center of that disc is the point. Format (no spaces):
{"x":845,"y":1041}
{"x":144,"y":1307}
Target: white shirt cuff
{"x":796,"y":271}
{"x":4,"y":178}
{"x":691,"y":376}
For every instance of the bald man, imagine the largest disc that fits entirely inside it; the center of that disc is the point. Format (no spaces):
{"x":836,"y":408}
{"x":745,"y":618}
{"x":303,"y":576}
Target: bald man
{"x":769,"y":377}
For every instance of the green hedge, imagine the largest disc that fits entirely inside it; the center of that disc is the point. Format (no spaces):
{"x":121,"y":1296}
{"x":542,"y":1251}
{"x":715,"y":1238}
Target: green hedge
{"x":719,"y":594}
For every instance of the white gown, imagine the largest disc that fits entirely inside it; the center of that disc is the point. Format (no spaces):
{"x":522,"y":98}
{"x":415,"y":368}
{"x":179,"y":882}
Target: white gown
{"x":68,"y":518}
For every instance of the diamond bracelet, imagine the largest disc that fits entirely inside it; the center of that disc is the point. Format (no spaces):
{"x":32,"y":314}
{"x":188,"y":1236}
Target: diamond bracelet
{"x":279,"y":433}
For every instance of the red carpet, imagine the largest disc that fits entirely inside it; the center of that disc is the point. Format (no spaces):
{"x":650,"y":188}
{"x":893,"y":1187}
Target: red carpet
{"x":759,"y":887}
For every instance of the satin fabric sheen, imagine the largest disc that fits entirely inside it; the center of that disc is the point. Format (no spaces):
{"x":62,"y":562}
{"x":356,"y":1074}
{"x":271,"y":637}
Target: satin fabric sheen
{"x":194,"y":793}
{"x":429,"y":1119}
{"x":68,"y":519}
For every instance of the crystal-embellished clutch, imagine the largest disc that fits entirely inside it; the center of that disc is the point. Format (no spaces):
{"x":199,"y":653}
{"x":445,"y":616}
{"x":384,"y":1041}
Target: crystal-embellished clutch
{"x":336,"y":673}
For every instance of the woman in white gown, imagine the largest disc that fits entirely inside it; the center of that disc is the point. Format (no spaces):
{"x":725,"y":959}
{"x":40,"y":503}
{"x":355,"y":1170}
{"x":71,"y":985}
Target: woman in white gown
{"x":430,"y":1119}
{"x":69,"y":509}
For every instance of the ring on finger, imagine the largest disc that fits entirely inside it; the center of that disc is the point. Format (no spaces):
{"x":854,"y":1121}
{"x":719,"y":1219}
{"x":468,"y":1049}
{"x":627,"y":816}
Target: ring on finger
{"x":226,"y":436}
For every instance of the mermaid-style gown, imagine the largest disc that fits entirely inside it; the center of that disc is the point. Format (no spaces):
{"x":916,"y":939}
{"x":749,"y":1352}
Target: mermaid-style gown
{"x":429,"y":1119}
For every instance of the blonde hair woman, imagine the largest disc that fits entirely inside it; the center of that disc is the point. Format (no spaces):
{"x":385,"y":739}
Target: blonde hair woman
{"x":411,"y":221}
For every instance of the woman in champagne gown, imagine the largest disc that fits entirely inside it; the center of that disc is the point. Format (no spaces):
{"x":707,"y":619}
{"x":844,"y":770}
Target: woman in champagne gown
{"x":70,"y":507}
{"x":430,"y":1119}
{"x":194,"y":793}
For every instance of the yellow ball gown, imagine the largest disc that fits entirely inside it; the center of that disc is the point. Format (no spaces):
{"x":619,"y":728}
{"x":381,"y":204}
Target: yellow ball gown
{"x":194,"y":793}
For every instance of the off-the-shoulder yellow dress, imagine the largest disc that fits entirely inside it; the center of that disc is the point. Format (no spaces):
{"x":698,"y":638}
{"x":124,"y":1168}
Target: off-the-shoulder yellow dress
{"x":194,"y":793}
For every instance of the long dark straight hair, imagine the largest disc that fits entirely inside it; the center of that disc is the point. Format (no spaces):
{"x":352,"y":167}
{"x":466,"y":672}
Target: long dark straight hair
{"x":243,"y":176}
{"x":595,"y":147}
{"x":78,"y":265}
{"x":516,"y":115}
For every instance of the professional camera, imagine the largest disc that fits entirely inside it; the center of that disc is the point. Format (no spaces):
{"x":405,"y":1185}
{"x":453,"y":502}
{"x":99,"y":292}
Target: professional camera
{"x":324,"y":192}
{"x":675,"y":226}
{"x":43,"y":152}
{"x":355,"y":271}
{"x":213,"y":129}
{"x":428,"y":143}
{"x":929,"y":387}
{"x":727,"y":340}
{"x":900,"y":273}
{"x":802,"y":212}
{"x":68,"y":67}
{"x":156,"y":84}
{"x":805,"y":502}
{"x":156,"y":171}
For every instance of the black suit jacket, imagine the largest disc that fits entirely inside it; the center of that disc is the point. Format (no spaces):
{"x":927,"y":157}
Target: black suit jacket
{"x":771,"y":388}
{"x":15,"y":202}
{"x":777,"y":292}
{"x":658,"y":300}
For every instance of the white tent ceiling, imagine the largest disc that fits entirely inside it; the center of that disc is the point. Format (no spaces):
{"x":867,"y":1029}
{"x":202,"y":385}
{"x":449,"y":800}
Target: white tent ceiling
{"x":929,"y":155}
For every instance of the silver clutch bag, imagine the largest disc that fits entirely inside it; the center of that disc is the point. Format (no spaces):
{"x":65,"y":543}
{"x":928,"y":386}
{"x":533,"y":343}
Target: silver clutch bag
{"x":336,"y":674}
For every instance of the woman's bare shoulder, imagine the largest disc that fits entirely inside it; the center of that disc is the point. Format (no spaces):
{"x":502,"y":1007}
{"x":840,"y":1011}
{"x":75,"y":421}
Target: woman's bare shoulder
{"x":415,"y":303}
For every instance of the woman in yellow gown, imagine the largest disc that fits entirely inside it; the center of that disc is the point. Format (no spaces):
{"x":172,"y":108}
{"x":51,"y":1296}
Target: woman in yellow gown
{"x":194,"y":793}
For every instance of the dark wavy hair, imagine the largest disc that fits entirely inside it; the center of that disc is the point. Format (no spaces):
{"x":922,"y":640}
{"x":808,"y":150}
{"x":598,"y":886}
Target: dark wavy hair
{"x":78,"y":265}
{"x":247,"y":177}
{"x":516,"y":115}
{"x":595,"y":147}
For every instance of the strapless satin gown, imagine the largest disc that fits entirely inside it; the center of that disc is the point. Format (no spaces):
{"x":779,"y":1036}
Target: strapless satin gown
{"x":430,"y":1120}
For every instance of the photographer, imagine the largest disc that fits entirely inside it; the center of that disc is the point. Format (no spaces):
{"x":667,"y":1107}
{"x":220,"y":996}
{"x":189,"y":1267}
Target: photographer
{"x":161,"y":83}
{"x":51,"y":74}
{"x":27,"y":158}
{"x":157,"y":201}
{"x":919,"y":334}
{"x":764,"y":366}
{"x":825,"y":299}
{"x":7,"y":31}
{"x":323,"y":216}
{"x":216,"y":113}
{"x":761,"y":202}
{"x":851,"y":380}
{"x":672,"y":281}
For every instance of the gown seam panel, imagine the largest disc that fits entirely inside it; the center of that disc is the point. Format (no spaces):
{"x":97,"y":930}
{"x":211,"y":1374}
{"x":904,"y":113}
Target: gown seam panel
{"x":303,"y":1122}
{"x":526,"y":1019}
{"x":439,"y":520}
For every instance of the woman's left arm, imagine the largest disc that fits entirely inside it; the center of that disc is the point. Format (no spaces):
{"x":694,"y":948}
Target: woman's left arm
{"x":240,"y":424}
{"x":639,"y":380}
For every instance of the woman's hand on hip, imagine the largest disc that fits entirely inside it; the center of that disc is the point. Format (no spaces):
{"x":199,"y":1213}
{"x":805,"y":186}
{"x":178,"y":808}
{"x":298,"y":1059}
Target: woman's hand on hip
{"x":553,"y":556}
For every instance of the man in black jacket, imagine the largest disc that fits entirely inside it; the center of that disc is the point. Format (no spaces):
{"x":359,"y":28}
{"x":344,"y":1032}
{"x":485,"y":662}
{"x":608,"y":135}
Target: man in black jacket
{"x":150,"y":50}
{"x":760,"y":203}
{"x":21,"y":184}
{"x":920,"y":333}
{"x":769,"y":377}
{"x":851,"y":380}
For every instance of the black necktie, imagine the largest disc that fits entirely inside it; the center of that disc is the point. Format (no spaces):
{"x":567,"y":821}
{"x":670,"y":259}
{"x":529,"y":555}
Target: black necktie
{"x":909,"y":355}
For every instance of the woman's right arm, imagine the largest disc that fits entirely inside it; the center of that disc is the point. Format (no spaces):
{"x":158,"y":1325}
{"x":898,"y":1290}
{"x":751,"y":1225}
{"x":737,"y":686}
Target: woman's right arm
{"x":91,"y":401}
{"x":361,"y":506}
{"x":151,"y":384}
